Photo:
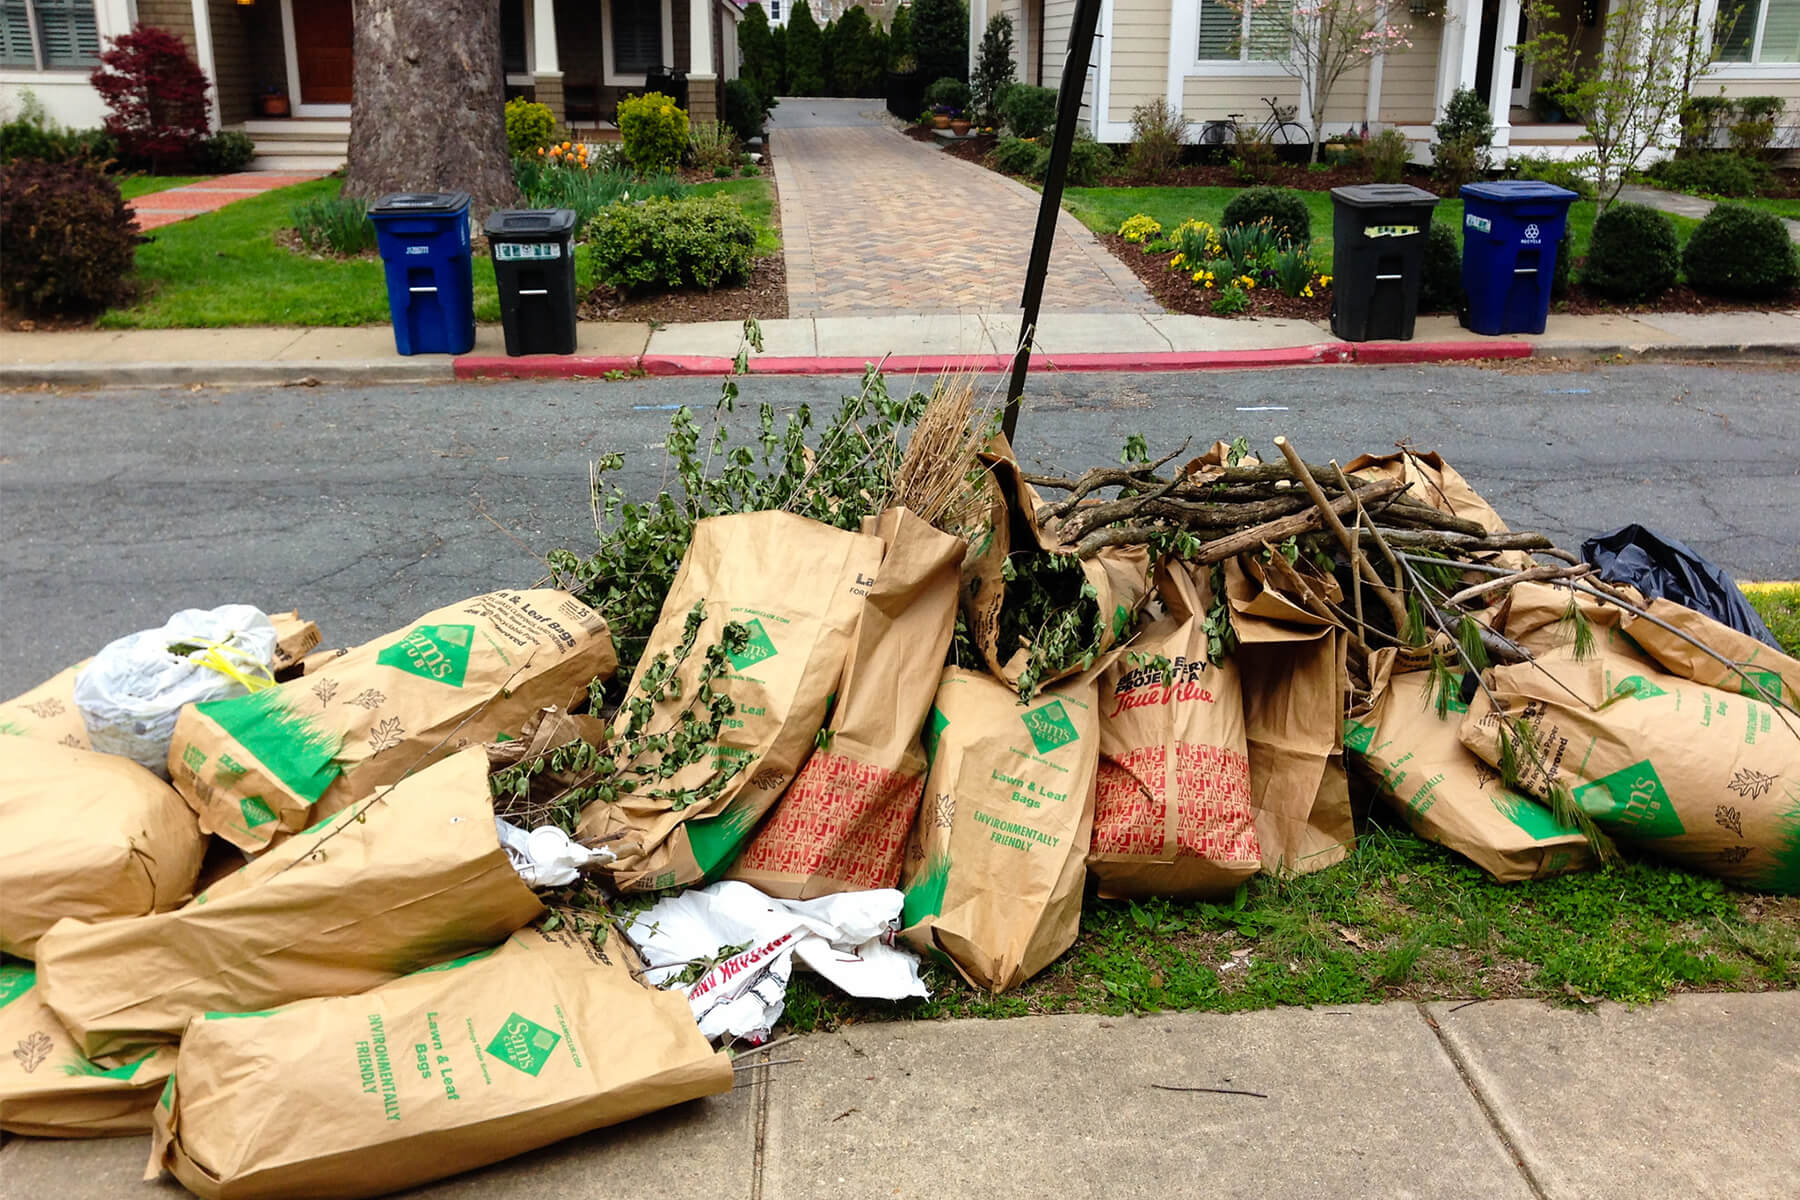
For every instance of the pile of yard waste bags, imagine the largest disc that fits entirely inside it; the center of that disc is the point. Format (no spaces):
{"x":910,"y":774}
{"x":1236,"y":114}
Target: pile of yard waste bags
{"x":459,"y":892}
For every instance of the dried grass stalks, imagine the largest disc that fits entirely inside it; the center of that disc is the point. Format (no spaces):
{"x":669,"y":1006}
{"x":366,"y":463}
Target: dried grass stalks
{"x":940,"y":477}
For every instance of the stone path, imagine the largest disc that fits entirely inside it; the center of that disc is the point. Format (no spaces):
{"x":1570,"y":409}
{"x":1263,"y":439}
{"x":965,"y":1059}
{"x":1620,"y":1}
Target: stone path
{"x":178,"y":204}
{"x":1683,"y":205}
{"x":876,"y":224}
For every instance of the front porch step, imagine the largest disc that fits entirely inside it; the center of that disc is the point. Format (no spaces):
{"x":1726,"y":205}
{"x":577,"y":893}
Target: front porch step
{"x":306,"y":127}
{"x":298,"y":143}
{"x":321,"y":164}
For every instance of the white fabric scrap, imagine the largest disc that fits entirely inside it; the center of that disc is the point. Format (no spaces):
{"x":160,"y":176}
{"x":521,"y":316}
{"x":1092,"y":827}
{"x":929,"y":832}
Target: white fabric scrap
{"x":547,"y":857}
{"x":846,"y":937}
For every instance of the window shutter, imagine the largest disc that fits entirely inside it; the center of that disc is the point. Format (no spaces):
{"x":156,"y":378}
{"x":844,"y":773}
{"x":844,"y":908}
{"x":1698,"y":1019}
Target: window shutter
{"x":15,"y":35}
{"x":637,"y":36}
{"x":1269,"y":30}
{"x":70,"y":36}
{"x":1781,"y":33}
{"x":1740,"y":33}
{"x":1221,"y":30}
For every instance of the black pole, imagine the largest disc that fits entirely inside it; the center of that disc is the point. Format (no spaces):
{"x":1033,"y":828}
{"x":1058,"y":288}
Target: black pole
{"x":1068,"y":111}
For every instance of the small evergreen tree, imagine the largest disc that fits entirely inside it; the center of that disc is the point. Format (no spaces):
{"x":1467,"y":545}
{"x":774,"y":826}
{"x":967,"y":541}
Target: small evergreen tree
{"x":940,"y":37}
{"x":805,"y":52}
{"x":993,"y":69}
{"x":858,"y":55}
{"x":827,"y":54}
{"x":756,"y":45}
{"x":778,"y":60}
{"x":899,"y":42}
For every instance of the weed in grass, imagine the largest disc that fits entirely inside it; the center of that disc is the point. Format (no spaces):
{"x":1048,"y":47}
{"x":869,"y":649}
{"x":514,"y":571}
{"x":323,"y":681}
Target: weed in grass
{"x":334,"y":225}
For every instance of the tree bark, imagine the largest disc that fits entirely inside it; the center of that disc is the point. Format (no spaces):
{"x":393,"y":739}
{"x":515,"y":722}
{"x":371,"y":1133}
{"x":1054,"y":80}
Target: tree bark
{"x":427,"y":113}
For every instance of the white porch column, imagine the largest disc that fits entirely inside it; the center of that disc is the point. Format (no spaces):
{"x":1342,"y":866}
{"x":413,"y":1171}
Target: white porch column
{"x":1506,"y":34}
{"x":543,"y":38}
{"x":700,"y":44}
{"x":1372,"y":102}
{"x":1462,"y":24}
{"x":203,"y":54}
{"x":978,"y":18}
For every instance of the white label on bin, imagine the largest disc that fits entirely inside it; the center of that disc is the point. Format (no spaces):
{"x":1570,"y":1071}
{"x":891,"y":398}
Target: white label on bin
{"x":418,"y":249}
{"x":1479,"y":223}
{"x":1532,"y":234}
{"x":514,"y":251}
{"x":1381,"y":231}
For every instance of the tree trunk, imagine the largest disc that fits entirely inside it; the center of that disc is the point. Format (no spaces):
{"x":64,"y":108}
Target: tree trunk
{"x":427,"y":113}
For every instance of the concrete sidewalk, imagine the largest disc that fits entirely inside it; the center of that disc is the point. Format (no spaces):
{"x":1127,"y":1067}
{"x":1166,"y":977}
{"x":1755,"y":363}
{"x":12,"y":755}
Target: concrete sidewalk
{"x":814,"y":345}
{"x":1695,"y":1096}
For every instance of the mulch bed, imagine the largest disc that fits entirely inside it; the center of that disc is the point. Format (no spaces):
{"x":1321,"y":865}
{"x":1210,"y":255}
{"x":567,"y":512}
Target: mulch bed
{"x":763,"y":297}
{"x":974,"y":148}
{"x":1299,"y":177}
{"x":1172,"y":290}
{"x":1680,"y":298}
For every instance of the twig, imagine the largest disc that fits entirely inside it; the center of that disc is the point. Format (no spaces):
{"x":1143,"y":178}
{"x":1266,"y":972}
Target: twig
{"x":779,"y":1062}
{"x":1396,"y":609}
{"x":1530,"y":575}
{"x":1170,"y":1087}
{"x":1234,"y":544}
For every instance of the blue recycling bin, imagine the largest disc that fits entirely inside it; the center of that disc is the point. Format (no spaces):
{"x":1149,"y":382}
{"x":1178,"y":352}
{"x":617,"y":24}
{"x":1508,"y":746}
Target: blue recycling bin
{"x":424,"y":242}
{"x":1511,"y":229}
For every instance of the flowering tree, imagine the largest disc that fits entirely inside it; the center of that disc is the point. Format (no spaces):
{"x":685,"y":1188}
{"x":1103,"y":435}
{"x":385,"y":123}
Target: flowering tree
{"x":1317,"y":41}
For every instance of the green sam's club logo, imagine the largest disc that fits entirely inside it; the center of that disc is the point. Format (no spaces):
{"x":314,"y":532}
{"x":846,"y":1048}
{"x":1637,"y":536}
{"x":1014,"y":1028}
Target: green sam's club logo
{"x":935,"y":724}
{"x":439,"y":652}
{"x":1049,"y":727}
{"x":15,"y":980}
{"x":255,"y":811}
{"x":1633,"y":801}
{"x":523,"y":1044}
{"x":756,"y":649}
{"x":1637,"y":687}
{"x":1358,"y":737}
{"x":1770,"y":684}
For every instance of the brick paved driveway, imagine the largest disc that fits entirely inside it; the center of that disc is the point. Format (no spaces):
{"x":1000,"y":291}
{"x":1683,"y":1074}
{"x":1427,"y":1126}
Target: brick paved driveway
{"x":875,"y":223}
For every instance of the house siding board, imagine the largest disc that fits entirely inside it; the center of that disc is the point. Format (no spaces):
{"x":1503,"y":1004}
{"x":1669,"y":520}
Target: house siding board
{"x":1140,"y":56}
{"x":1409,"y":78}
{"x":175,"y":16}
{"x":1211,"y":97}
{"x":234,"y":62}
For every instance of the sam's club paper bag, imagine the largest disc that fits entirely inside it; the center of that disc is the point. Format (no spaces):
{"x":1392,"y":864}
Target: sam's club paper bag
{"x":86,"y":835}
{"x":1763,"y":672}
{"x":261,"y":767}
{"x":47,"y":1089}
{"x":999,"y":851}
{"x":398,"y":883}
{"x":47,"y":712}
{"x":443,"y":1071}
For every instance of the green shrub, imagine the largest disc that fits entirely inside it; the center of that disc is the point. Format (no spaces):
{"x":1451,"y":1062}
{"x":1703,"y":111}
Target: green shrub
{"x":334,"y":225}
{"x":712,"y":144}
{"x":1711,"y":173}
{"x":1028,"y":111}
{"x":1739,"y":251}
{"x":1702,"y":117}
{"x":746,"y":110}
{"x":545,"y":184}
{"x":655,"y":131}
{"x":1464,"y":135}
{"x":529,"y":126}
{"x":1440,"y":276}
{"x":1565,"y":263}
{"x":993,"y":69}
{"x":700,"y":241}
{"x":1088,"y":161}
{"x":1016,"y":156}
{"x":1553,"y":171}
{"x":1232,"y":299}
{"x":1754,"y":128}
{"x":803,"y":51}
{"x":227,"y":151}
{"x":1633,"y":254}
{"x":940,"y":37}
{"x":1283,"y":208}
{"x":32,"y":136}
{"x":1156,"y":131}
{"x":67,"y":241}
{"x":1387,"y":155}
{"x":948,"y":95}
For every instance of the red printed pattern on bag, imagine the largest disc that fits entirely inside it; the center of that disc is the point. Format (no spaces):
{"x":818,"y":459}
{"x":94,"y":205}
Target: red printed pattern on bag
{"x":1213,"y":818}
{"x":843,"y":820}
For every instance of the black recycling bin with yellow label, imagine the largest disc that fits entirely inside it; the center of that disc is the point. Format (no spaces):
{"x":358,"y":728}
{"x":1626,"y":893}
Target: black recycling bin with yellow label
{"x":534,"y":268}
{"x":1379,"y":231}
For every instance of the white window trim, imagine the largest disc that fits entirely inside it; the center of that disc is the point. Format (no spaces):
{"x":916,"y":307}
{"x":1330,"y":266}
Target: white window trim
{"x":1184,"y":31}
{"x":102,"y":25}
{"x":613,"y":78}
{"x":1755,"y":68}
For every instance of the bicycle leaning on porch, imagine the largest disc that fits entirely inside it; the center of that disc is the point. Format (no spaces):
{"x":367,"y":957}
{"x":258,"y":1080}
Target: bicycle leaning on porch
{"x":1278,"y":129}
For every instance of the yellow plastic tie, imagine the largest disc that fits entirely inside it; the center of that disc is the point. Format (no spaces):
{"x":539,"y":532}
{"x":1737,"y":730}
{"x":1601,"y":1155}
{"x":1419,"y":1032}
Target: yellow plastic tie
{"x":259,"y":678}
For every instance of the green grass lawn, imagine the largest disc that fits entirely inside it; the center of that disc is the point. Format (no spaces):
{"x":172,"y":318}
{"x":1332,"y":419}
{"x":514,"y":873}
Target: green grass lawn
{"x":1779,"y":605}
{"x":1104,"y":209}
{"x":134,"y":185}
{"x":1785,"y":207}
{"x":225,"y":268}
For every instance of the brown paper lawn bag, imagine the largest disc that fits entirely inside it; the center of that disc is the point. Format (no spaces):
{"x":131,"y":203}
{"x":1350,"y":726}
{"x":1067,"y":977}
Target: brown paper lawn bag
{"x":1703,"y":777}
{"x":406,"y":879}
{"x":47,"y":712}
{"x":86,"y":835}
{"x":798,"y":586}
{"x":843,"y":823}
{"x":47,"y":1089}
{"x":1172,"y":807}
{"x":1772,"y":675}
{"x":1445,"y":793}
{"x":261,"y":767}
{"x":448,"y":1069}
{"x":1438,"y":484}
{"x":998,"y":855}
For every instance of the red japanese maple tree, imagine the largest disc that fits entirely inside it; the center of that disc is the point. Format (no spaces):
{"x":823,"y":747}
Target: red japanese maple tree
{"x":157,"y":94}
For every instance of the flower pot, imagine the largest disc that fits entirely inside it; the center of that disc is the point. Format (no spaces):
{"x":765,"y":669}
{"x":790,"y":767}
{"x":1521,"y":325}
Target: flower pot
{"x":959,"y":128}
{"x":273,"y":106}
{"x":940,"y":121}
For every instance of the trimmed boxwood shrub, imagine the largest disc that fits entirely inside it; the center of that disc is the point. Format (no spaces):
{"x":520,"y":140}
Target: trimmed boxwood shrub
{"x":67,"y":241}
{"x":1739,"y":251}
{"x":1634,"y":254}
{"x":1029,"y":111}
{"x":1016,"y":156}
{"x":1713,"y":173}
{"x":654,"y":129}
{"x":1440,"y":279}
{"x":696,"y":241}
{"x":1285,"y":211}
{"x":1565,"y":263}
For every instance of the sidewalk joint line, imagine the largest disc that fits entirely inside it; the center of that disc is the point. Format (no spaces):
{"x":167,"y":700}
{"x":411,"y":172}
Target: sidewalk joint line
{"x":760,"y":1119}
{"x":1481,"y":1101}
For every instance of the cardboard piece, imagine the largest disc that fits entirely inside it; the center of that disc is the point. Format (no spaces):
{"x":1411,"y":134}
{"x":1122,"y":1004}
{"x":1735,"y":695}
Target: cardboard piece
{"x":1172,"y":810}
{"x":799,"y":586}
{"x":402,"y":881}
{"x":86,"y":835}
{"x":259,"y":768}
{"x":842,"y":824}
{"x":451,"y":1068}
{"x":47,"y":1089}
{"x":998,"y":855}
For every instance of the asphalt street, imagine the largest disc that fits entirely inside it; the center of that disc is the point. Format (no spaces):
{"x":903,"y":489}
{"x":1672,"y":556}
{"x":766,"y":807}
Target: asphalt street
{"x":365,"y":507}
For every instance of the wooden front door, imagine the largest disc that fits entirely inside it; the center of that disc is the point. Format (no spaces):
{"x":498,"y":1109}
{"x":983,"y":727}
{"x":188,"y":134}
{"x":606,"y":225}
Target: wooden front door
{"x":322,"y":30}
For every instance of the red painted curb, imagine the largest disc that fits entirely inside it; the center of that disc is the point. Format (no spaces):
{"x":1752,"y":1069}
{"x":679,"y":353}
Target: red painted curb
{"x":684,"y":364}
{"x":899,"y":364}
{"x":542,"y":366}
{"x":1435,"y":352}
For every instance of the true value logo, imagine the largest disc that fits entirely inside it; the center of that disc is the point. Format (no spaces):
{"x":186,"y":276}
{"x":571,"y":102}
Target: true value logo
{"x":1049,"y":727}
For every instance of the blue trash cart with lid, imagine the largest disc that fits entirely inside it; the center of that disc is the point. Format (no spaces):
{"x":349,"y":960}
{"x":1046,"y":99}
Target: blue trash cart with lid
{"x":1511,"y":228}
{"x":424,"y":242}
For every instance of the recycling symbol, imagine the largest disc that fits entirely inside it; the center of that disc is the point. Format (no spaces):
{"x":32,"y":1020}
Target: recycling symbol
{"x":1531,"y":232}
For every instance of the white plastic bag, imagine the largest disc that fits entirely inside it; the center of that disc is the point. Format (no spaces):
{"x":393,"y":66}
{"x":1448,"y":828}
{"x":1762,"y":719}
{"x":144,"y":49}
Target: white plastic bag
{"x":547,"y":857}
{"x":131,"y":691}
{"x":845,"y":937}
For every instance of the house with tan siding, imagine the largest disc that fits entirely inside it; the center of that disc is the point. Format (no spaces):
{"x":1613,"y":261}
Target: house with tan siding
{"x":1209,"y":60}
{"x":580,"y":57}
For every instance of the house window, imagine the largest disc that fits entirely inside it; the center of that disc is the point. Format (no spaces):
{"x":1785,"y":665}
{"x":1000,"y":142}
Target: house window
{"x":1762,"y":31}
{"x":774,"y":10}
{"x":513,"y":59}
{"x":637,"y":47}
{"x":1254,"y":33}
{"x":48,"y":35}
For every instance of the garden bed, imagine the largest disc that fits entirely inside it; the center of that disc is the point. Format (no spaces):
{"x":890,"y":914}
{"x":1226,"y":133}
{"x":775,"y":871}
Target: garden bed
{"x":1173,"y":291}
{"x":763,"y":297}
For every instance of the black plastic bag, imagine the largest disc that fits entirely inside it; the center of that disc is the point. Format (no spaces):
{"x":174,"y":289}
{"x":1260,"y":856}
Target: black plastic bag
{"x":1660,"y":566}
